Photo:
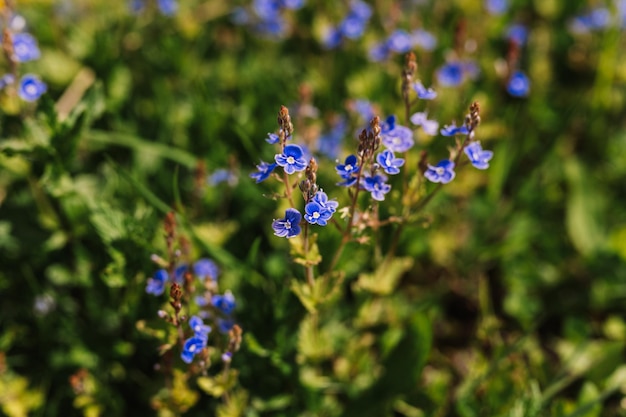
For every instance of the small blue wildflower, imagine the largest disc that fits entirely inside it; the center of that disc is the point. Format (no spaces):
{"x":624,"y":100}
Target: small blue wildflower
{"x":496,"y":7}
{"x":272,"y":138}
{"x":452,"y":130}
{"x":264,"y":172}
{"x":167,"y":7}
{"x":291,"y":4}
{"x":430,"y":127}
{"x":389,"y":163}
{"x":136,"y":6}
{"x":223,"y":175}
{"x":330,"y":143}
{"x":156,"y":284}
{"x":266,"y":9}
{"x":348,"y":168}
{"x":360,"y":9}
{"x":518,"y":85}
{"x":201,"y":301}
{"x":289,"y":226}
{"x":192,"y":347}
{"x":477,"y":156}
{"x":364,"y":108}
{"x":206,"y":268}
{"x":423,"y":39}
{"x":227,"y":357}
{"x":379,"y":52}
{"x":200,"y":329}
{"x":322,"y":199}
{"x":274,"y":27}
{"x":31,"y":88}
{"x":352,"y":27}
{"x":6,"y":79}
{"x":315,"y":214}
{"x":25,"y":47}
{"x":443,"y":172}
{"x":399,"y":41}
{"x":395,"y":137}
{"x":423,"y":92}
{"x":517,"y":33}
{"x":451,"y":74}
{"x":292,"y":159}
{"x":179,"y":273}
{"x":376,"y":186}
{"x":224,"y":303}
{"x":225,"y":324}
{"x":331,"y":38}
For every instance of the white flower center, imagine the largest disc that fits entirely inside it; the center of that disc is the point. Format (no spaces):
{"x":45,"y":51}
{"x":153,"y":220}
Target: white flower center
{"x":291,"y":160}
{"x":440,"y":171}
{"x":348,"y":167}
{"x":31,"y":89}
{"x":192,"y":348}
{"x":316,"y":215}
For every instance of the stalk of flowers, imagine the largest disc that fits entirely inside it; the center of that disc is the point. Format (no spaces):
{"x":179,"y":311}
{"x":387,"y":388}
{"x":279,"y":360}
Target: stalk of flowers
{"x":19,"y":47}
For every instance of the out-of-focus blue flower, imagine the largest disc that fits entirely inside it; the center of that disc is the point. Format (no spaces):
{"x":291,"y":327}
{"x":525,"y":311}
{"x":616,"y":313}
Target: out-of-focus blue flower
{"x":223,"y":175}
{"x":518,"y":85}
{"x":179,"y":273}
{"x":348,"y":168}
{"x":451,"y":74}
{"x":423,"y":39}
{"x":289,"y":226}
{"x":266,"y":9}
{"x":400,"y":41}
{"x":331,"y":38}
{"x":430,"y":127}
{"x":206,"y":268}
{"x":452,"y":129}
{"x":136,"y":6}
{"x":389,"y":163}
{"x":395,"y":137}
{"x":376,"y":186}
{"x":597,"y":19}
{"x":225,"y":324}
{"x":224,"y":303}
{"x":379,"y":52}
{"x":443,"y":172}
{"x":200,"y":329}
{"x":275,"y":26}
{"x":264,"y":171}
{"x":156,"y":284}
{"x":292,"y":4}
{"x":517,"y":33}
{"x":360,"y":9}
{"x":25,"y":47}
{"x":477,"y":156}
{"x":496,"y":7}
{"x":365,"y":109}
{"x":352,"y":27}
{"x":316,"y":214}
{"x":330,"y":143}
{"x":423,"y":92}
{"x":292,"y":159}
{"x":192,"y":347}
{"x":201,"y":301}
{"x":167,"y":7}
{"x":31,"y":88}
{"x":322,"y":199}
{"x":272,"y":138}
{"x":6,"y":79}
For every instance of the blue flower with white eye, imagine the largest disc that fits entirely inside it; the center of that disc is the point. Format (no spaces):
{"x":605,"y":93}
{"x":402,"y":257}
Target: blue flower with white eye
{"x":224,"y":303}
{"x":31,"y":88}
{"x":316,"y":214}
{"x":518,"y":85}
{"x":200,"y":329}
{"x":349,"y":168}
{"x":443,"y":172}
{"x":264,"y":172}
{"x":376,"y":186}
{"x":206,"y":268}
{"x":477,"y":156}
{"x":322,"y":199}
{"x":395,"y":137}
{"x":430,"y":127}
{"x":452,"y":130}
{"x":192,"y":347}
{"x":423,"y":92}
{"x":289,"y":226}
{"x":25,"y":47}
{"x":292,"y":159}
{"x":423,"y":39}
{"x":389,"y":163}
{"x":156,"y":284}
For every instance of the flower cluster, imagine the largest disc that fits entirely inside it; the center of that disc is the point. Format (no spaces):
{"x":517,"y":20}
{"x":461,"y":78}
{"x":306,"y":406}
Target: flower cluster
{"x":599,"y":18}
{"x":20,"y":47}
{"x":265,"y":16}
{"x":401,"y":41}
{"x":351,"y":27}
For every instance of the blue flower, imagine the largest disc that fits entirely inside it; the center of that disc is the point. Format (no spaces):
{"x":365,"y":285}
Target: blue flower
{"x":200,"y":329}
{"x":272,"y":138}
{"x":192,"y":347}
{"x":167,"y":7}
{"x":477,"y":156}
{"x":331,"y":38}
{"x":292,"y":4}
{"x":352,"y":27}
{"x":518,"y":85}
{"x":395,"y":137}
{"x":330,"y":143}
{"x":266,"y":9}
{"x":379,"y":52}
{"x":376,"y":186}
{"x":451,"y":74}
{"x":201,"y":301}
{"x":349,"y":168}
{"x":223,"y":175}
{"x":179,"y":273}
{"x":31,"y":88}
{"x":204,"y":268}
{"x":399,"y":41}
{"x":316,"y":214}
{"x":496,"y":7}
{"x":225,"y":324}
{"x":452,"y":130}
{"x":292,"y":159}
{"x":25,"y":47}
{"x":430,"y":127}
{"x":156,"y":284}
{"x":423,"y":39}
{"x":6,"y":79}
{"x":322,"y":199}
{"x":389,"y":163}
{"x":361,"y":9}
{"x":289,"y":226}
{"x":423,"y":92}
{"x":517,"y":33}
{"x":265,"y":170}
{"x":347,"y":182}
{"x":136,"y":6}
{"x":224,"y":303}
{"x":364,"y":108}
{"x":443,"y":172}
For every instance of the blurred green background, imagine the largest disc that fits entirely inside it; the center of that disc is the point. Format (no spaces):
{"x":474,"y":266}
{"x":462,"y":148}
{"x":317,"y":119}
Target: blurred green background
{"x":508,"y":299}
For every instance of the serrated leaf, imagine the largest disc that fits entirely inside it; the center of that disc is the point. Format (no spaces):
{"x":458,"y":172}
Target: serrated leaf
{"x":311,"y":257}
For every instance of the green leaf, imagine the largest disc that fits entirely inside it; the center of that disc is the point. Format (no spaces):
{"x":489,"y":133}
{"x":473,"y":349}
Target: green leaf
{"x":384,"y":280}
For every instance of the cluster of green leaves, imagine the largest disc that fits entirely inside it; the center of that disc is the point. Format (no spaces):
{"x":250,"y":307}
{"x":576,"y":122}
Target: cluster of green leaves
{"x":507,"y":300}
